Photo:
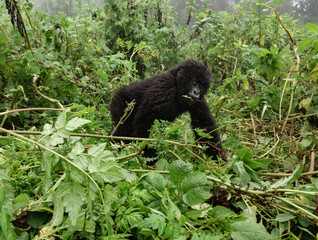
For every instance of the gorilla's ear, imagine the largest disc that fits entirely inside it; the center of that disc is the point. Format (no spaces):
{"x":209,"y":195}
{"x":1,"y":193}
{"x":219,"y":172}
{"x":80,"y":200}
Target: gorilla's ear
{"x":180,"y":76}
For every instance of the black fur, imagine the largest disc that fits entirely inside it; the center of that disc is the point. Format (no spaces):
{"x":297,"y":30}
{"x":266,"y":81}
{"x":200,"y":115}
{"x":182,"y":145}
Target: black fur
{"x":165,"y":97}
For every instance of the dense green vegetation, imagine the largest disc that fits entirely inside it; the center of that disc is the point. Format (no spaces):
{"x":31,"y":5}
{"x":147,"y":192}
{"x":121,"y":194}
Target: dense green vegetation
{"x":62,"y":177}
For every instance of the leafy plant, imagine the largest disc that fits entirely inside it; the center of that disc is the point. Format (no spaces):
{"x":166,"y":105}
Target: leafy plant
{"x":71,"y":181}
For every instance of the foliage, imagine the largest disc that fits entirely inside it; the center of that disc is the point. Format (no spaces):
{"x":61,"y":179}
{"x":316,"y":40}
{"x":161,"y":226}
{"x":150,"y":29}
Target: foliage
{"x":64,"y":178}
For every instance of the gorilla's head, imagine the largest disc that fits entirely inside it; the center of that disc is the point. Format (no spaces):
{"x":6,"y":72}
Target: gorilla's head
{"x":192,"y":80}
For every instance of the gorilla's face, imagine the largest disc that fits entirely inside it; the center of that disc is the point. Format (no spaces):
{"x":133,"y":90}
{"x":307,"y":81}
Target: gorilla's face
{"x":196,"y":89}
{"x":193,"y":80}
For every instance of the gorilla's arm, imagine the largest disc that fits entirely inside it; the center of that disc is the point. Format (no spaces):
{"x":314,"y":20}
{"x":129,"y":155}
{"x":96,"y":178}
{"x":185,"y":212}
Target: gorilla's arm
{"x":201,"y":118}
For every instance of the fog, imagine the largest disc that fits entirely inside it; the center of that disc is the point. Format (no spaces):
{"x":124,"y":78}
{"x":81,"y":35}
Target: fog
{"x":304,"y":10}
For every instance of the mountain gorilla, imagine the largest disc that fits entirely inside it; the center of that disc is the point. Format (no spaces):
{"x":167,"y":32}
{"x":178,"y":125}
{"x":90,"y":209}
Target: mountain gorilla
{"x":165,"y":97}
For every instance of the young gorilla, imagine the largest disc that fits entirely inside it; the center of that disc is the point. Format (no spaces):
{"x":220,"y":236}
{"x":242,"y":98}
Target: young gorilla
{"x":165,"y":97}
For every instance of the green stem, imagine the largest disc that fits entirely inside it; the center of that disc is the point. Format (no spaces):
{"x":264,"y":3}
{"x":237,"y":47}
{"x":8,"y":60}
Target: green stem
{"x":30,"y":109}
{"x":26,"y":13}
{"x":299,"y":208}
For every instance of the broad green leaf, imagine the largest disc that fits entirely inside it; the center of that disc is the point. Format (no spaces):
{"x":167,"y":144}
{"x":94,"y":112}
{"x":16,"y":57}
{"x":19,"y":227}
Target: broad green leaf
{"x":129,"y":177}
{"x":80,"y":161}
{"x":305,"y":143}
{"x":61,"y":120}
{"x":244,"y":154}
{"x":251,"y":173}
{"x":312,"y":28}
{"x":81,"y":224}
{"x":58,"y":212}
{"x":38,"y":56}
{"x":304,"y":44}
{"x":55,"y":139}
{"x":240,"y":170}
{"x":76,"y":175}
{"x":73,"y":195}
{"x":22,"y":198}
{"x":315,"y":182}
{"x":97,"y":150}
{"x":107,"y":156}
{"x":249,"y":231}
{"x":284,"y":217}
{"x":296,"y":174}
{"x":36,"y":219}
{"x":78,"y":148}
{"x":28,"y":55}
{"x":106,"y":172}
{"x":207,"y":236}
{"x":63,"y":133}
{"x":154,"y":221}
{"x":178,"y":170}
{"x":154,"y":180}
{"x":76,"y":123}
{"x":221,"y":212}
{"x":196,"y":188}
{"x":6,"y":229}
{"x":257,"y":164}
{"x":47,"y":129}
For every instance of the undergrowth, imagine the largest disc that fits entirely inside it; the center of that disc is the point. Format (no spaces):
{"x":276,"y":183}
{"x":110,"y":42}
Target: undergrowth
{"x":63,"y":177}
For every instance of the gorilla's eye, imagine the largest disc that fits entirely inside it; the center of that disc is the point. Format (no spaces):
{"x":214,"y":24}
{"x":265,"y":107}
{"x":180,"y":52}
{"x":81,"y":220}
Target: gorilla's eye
{"x":194,"y":83}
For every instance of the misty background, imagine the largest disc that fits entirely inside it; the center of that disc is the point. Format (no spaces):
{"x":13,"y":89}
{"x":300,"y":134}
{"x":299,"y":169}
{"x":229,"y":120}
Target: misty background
{"x":303,"y":10}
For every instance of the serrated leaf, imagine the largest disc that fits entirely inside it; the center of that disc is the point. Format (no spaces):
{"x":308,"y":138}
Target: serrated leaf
{"x":312,"y":28}
{"x":201,"y":133}
{"x":296,"y":174}
{"x":81,"y":224}
{"x":76,"y":123}
{"x":47,"y":129}
{"x":78,"y":148}
{"x":97,"y":150}
{"x":304,"y":44}
{"x":154,"y":180}
{"x":129,"y":177}
{"x":28,"y":55}
{"x":58,"y":212}
{"x":55,"y":139}
{"x":107,"y":156}
{"x":178,"y":170}
{"x":80,"y":160}
{"x":106,"y":172}
{"x":196,"y":188}
{"x":221,"y":212}
{"x":76,"y":175}
{"x":61,"y":121}
{"x":36,"y":219}
{"x":250,"y":231}
{"x":63,"y":133}
{"x":315,"y":182}
{"x":73,"y":195}
{"x":38,"y":56}
{"x":154,"y":221}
